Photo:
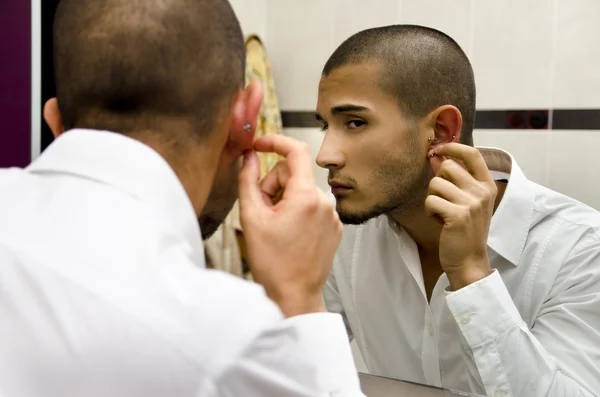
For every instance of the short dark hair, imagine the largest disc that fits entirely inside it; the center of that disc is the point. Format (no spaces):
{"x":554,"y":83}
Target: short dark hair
{"x":422,"y":67}
{"x":128,"y":65}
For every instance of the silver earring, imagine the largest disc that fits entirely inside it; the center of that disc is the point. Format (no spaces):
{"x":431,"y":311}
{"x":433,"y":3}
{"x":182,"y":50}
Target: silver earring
{"x":248,"y":127}
{"x":453,"y":136}
{"x":429,"y":139}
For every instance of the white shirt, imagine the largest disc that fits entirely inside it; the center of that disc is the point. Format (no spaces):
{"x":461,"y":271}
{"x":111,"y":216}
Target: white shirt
{"x":530,"y":329}
{"x":103,"y":290}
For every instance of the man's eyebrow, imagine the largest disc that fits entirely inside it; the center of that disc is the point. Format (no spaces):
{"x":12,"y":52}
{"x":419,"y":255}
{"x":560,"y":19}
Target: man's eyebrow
{"x":347,"y":108}
{"x":342,"y":109}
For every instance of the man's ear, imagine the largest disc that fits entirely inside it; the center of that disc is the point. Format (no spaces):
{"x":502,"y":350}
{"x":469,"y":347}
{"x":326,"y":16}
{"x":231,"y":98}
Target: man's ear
{"x":246,"y":106}
{"x":447,"y":121}
{"x":53,"y":117}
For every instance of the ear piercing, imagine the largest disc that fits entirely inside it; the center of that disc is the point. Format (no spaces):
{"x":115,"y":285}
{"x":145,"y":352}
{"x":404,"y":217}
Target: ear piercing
{"x":453,"y":136}
{"x":248,"y":127}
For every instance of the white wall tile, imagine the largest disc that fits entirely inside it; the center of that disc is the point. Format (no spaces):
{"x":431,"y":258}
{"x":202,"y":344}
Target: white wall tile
{"x":299,"y":41}
{"x":576,"y":77}
{"x":528,"y":147}
{"x":574,"y":166}
{"x":452,"y":17}
{"x":512,"y":53}
{"x":352,"y":16}
{"x":314,"y":138}
{"x":252,"y":15}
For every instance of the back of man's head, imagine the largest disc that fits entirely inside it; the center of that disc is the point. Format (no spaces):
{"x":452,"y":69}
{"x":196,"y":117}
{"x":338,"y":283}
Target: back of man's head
{"x":421,"y":67}
{"x":136,"y":66}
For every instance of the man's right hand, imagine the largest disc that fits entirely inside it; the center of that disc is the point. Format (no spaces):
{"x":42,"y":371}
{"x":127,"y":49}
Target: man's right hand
{"x":290,"y":241}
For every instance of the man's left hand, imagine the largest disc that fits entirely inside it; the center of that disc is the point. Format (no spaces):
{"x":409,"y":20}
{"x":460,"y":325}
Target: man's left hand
{"x":461,"y":196}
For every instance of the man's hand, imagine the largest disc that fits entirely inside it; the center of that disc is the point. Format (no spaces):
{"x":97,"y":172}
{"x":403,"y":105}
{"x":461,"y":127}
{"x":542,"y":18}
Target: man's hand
{"x":291,"y":228}
{"x":462,"y":198}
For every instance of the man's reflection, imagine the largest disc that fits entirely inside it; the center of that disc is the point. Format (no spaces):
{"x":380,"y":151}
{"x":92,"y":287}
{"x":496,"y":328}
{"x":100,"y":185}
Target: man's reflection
{"x":434,"y":289}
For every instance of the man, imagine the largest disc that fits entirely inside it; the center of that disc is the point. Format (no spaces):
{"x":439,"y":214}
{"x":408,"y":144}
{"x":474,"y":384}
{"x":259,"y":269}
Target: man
{"x":433,"y":287}
{"x":100,"y":291}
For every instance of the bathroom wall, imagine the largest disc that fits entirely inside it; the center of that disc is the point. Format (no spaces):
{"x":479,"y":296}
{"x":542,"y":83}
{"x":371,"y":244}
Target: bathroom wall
{"x":535,"y":55}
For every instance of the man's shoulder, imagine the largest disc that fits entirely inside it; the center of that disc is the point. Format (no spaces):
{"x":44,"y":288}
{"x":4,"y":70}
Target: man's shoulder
{"x":553,"y":205}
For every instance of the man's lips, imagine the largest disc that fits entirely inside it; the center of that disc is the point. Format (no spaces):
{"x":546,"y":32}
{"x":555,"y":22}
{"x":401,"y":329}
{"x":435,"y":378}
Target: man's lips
{"x":337,"y":187}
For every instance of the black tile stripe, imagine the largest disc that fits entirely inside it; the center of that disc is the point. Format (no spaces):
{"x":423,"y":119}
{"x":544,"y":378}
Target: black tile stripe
{"x":576,"y":119}
{"x":540,"y":119}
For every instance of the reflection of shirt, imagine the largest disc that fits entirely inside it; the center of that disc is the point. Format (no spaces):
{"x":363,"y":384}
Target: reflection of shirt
{"x":101,"y":294}
{"x":532,"y":328}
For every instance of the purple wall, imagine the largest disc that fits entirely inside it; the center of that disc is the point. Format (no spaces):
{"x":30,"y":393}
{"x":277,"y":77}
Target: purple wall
{"x":15,"y":83}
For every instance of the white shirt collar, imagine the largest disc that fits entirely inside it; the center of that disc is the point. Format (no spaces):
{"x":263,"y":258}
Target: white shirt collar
{"x":130,"y":166}
{"x":512,"y":219}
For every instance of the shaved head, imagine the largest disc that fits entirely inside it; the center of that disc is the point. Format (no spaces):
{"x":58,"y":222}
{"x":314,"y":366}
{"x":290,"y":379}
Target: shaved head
{"x":131,"y":65}
{"x":421,"y":67}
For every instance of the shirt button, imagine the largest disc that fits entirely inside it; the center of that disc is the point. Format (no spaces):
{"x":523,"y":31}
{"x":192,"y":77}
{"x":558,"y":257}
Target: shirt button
{"x":451,"y":318}
{"x":500,"y":393}
{"x":431,"y":330}
{"x":465,"y":319}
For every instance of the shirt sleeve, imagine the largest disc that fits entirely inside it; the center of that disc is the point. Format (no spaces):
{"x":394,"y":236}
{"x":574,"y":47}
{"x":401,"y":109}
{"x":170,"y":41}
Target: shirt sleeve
{"x":558,"y":357}
{"x":305,"y":356}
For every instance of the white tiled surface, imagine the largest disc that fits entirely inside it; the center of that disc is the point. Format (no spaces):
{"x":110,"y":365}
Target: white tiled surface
{"x":574,"y":167}
{"x":252,"y":15}
{"x":314,"y":138}
{"x":528,"y":147}
{"x":512,"y":53}
{"x":453,"y":17}
{"x":577,"y":80}
{"x":361,"y":15}
{"x":299,"y":41}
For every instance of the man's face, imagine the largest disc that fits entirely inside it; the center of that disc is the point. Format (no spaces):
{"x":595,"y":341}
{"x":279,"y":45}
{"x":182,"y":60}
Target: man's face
{"x":377,"y":159}
{"x":222,"y":197}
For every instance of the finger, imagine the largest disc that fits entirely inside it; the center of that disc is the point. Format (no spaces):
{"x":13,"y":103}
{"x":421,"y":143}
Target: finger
{"x":468,"y":155}
{"x":447,"y":190}
{"x":435,"y":205}
{"x":274,"y":183}
{"x":451,"y":171}
{"x":297,"y":154}
{"x":250,"y":194}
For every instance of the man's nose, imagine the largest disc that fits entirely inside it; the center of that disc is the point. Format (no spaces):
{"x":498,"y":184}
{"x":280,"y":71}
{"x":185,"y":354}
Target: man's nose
{"x":330,"y":156}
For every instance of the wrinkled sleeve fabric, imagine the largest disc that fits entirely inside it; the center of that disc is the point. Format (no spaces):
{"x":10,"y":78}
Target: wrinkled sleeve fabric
{"x":558,"y":357}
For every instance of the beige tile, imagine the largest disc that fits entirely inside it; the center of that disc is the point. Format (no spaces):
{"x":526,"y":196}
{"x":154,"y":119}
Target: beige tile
{"x":576,"y":77}
{"x":574,"y":165}
{"x":314,"y":138}
{"x":452,"y":17}
{"x":299,"y":42}
{"x":252,"y":15}
{"x":352,"y":16}
{"x":512,"y":53}
{"x":528,"y":147}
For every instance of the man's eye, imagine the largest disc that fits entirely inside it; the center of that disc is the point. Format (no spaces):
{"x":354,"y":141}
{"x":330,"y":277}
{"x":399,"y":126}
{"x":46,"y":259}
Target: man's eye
{"x":355,"y":124}
{"x":324,"y":127}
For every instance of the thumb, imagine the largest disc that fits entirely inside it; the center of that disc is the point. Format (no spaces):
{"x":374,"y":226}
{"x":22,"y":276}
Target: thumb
{"x":248,"y":181}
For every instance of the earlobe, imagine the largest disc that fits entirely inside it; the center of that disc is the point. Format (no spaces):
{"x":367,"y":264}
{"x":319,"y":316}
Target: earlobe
{"x":53,"y":117}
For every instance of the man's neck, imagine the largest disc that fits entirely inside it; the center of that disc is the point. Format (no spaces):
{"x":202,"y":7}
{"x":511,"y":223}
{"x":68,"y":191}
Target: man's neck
{"x":425,"y":230}
{"x":194,"y":171}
